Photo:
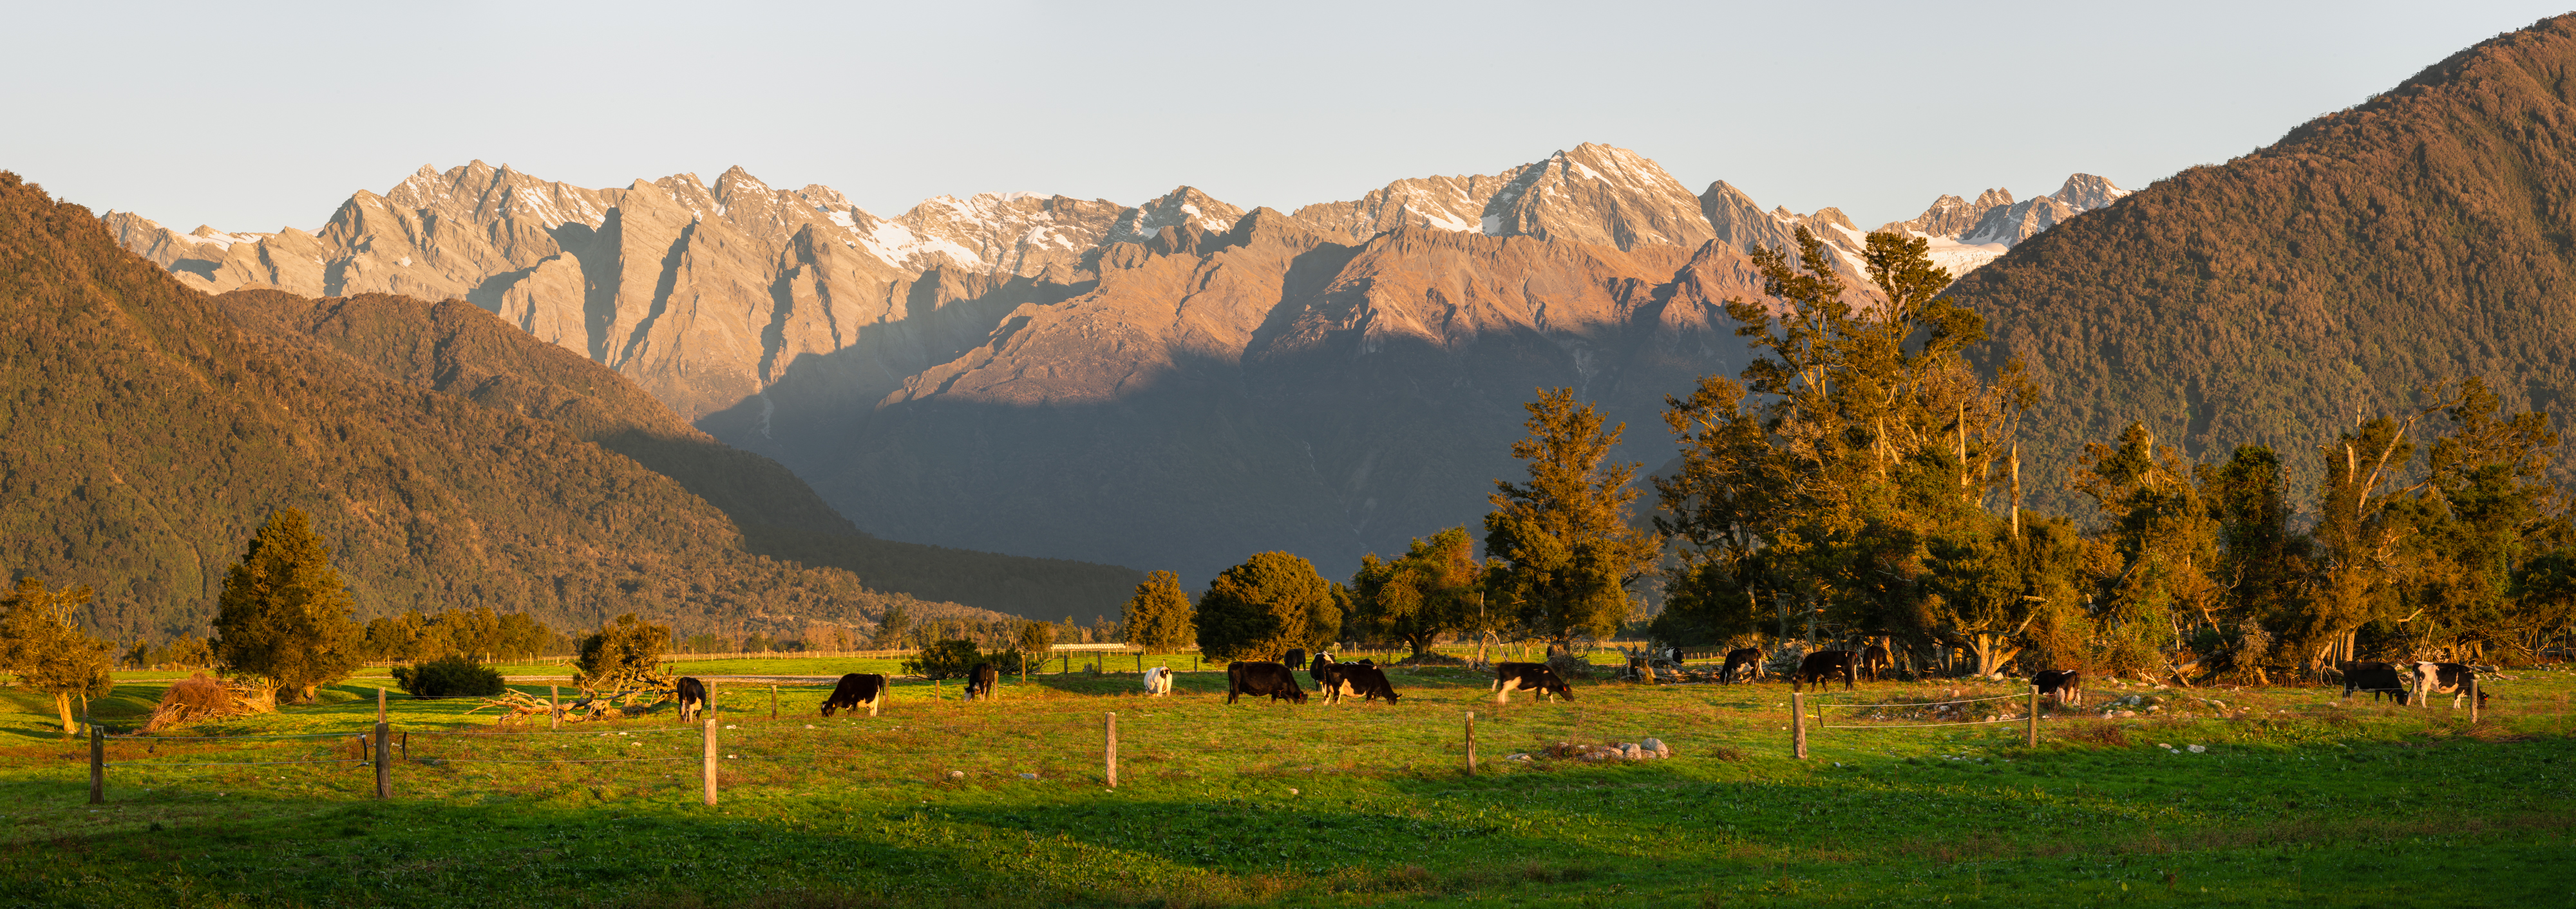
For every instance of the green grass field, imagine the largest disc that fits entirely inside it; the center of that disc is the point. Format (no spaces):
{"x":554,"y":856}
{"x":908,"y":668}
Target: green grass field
{"x":2295,"y":799}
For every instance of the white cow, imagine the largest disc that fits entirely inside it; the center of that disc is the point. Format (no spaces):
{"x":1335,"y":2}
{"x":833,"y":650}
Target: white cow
{"x":2453,"y":679}
{"x":1158,"y":681}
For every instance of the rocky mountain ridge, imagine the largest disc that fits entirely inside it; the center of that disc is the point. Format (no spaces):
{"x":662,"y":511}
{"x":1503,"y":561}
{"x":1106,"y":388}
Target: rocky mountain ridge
{"x":794,"y":324}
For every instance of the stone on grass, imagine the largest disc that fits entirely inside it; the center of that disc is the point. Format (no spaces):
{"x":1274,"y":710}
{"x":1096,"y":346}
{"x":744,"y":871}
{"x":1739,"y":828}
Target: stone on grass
{"x":1028,"y":776}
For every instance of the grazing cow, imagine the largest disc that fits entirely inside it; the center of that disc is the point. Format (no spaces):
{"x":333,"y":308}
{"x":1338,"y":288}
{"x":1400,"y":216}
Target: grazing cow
{"x":1821,"y":666}
{"x":1296,"y":658}
{"x":2377,"y":678}
{"x":1533,"y":677}
{"x":1256,"y":679}
{"x":857,"y":690}
{"x":1369,"y":682}
{"x":2453,"y":679}
{"x":980,"y":681}
{"x":1873,"y":660}
{"x":1158,"y":681}
{"x":693,"y":697}
{"x":2062,"y":684}
{"x":1748,"y":659}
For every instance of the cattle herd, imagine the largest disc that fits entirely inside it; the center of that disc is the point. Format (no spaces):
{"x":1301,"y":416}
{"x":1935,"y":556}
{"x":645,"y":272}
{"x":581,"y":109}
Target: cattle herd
{"x":2407,"y":682}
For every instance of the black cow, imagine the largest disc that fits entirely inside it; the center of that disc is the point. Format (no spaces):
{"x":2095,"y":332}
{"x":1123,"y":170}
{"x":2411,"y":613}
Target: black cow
{"x":1296,"y":658}
{"x":1257,"y":679}
{"x":693,"y":697}
{"x":2377,"y":678}
{"x":856,"y":690}
{"x":1873,"y":660}
{"x":1369,"y":682}
{"x":2062,"y":684}
{"x":980,"y":681}
{"x":1748,"y":659}
{"x":1821,"y":666}
{"x":1537,"y":677}
{"x":2453,"y":679}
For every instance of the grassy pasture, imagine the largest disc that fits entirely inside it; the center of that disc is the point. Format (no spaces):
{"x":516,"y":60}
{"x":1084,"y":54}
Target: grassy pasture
{"x":2296,"y":799}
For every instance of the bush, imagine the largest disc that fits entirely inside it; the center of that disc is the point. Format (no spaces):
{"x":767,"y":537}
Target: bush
{"x":944,"y":660}
{"x":449,"y":676}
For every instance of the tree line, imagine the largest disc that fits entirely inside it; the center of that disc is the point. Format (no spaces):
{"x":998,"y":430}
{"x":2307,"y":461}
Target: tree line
{"x":1861,"y":483}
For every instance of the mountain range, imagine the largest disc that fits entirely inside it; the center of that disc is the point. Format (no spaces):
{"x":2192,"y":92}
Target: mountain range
{"x":1176,"y":383}
{"x":2417,"y":238}
{"x":449,"y":460}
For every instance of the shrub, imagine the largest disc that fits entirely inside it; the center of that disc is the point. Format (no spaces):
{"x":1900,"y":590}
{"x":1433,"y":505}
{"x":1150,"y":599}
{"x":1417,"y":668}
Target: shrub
{"x":449,"y":676}
{"x":944,"y":660}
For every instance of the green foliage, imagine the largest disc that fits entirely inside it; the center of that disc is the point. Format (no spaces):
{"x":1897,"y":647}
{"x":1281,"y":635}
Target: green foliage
{"x":950,"y":659}
{"x":449,"y":676}
{"x":47,"y":652}
{"x":1435,"y":588}
{"x":1036,"y":638}
{"x":284,"y":614}
{"x":472,"y":632}
{"x":2166,"y":539}
{"x":1563,"y":549}
{"x":1159,"y":614}
{"x":1261,"y":609}
{"x":624,"y":655}
{"x":892,"y":626}
{"x":2389,"y":246}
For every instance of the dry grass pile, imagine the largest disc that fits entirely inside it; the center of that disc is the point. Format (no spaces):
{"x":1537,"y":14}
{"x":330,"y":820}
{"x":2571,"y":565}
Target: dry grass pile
{"x":202,"y":697}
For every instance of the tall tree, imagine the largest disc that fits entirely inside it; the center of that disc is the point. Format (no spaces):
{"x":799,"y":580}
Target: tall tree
{"x":41,"y":645}
{"x":1428,"y":592}
{"x":2167,"y":542}
{"x":1159,"y":615}
{"x":284,"y":614}
{"x":1260,"y":609}
{"x":1860,"y":452}
{"x":1564,"y":549}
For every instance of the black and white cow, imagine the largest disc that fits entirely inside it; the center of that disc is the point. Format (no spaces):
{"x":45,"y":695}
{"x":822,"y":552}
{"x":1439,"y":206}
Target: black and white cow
{"x":693,"y":697}
{"x":1747,"y":659}
{"x":2453,"y":679}
{"x":857,"y":690}
{"x":1535,"y":677}
{"x":2062,"y":684}
{"x":2377,"y":678}
{"x":980,"y":681}
{"x":1158,"y":681}
{"x":1369,"y":682}
{"x":1822,"y":666}
{"x":1874,"y":660}
{"x":1257,"y":679}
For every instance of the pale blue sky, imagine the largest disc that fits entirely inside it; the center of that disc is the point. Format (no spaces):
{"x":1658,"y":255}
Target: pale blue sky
{"x":252,"y":116}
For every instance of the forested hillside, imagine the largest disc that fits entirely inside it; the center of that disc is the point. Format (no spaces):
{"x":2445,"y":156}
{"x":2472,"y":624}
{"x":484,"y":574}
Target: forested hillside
{"x":460,"y":349}
{"x":143,"y":436}
{"x":2426,"y":234}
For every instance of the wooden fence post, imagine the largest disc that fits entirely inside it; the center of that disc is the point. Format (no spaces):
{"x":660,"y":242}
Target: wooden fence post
{"x":2032,"y":740}
{"x":1798,"y":723}
{"x":1109,"y":749}
{"x":707,"y":764}
{"x":554,"y":707}
{"x":2473,"y":701}
{"x":384,"y":751}
{"x":97,"y":764}
{"x":773,"y":700}
{"x":1471,"y":743}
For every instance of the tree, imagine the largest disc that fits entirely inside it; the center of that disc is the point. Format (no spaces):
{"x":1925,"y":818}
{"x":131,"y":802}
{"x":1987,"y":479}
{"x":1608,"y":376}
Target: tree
{"x":1035,"y":639}
{"x":2167,"y":542}
{"x":1159,"y":615}
{"x":47,"y":652}
{"x":283,"y":613}
{"x":623,"y":655}
{"x":1565,"y":553}
{"x":945,"y":659}
{"x":892,"y":625}
{"x":1260,"y":609}
{"x":1424,"y":594}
